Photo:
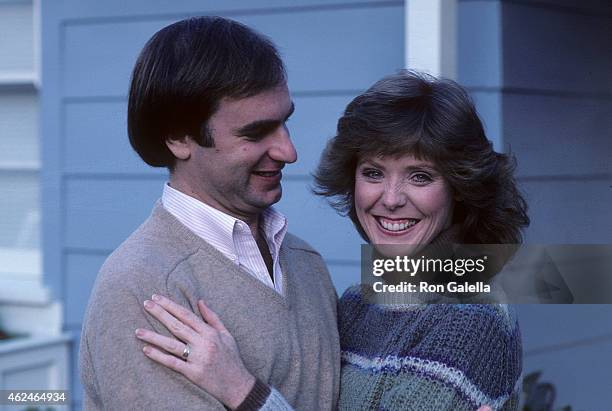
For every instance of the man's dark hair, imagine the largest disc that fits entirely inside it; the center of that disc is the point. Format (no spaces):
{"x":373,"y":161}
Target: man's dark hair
{"x":182,"y":74}
{"x":432,"y":119}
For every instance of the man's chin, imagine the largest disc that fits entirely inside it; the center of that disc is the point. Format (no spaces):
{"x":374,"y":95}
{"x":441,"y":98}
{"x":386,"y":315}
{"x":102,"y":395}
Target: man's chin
{"x":268,"y":198}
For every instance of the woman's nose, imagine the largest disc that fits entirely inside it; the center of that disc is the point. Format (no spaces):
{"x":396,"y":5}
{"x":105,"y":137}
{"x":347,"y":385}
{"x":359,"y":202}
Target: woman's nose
{"x":394,"y":197}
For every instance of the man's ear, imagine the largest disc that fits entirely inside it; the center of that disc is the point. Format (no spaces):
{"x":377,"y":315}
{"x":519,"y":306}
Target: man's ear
{"x":180,"y":147}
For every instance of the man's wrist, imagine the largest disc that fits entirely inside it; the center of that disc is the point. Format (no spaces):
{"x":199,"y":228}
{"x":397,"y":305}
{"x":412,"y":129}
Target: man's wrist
{"x":256,"y":397}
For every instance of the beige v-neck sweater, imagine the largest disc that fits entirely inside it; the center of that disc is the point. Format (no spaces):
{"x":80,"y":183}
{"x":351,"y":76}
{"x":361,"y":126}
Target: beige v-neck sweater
{"x":289,"y":342}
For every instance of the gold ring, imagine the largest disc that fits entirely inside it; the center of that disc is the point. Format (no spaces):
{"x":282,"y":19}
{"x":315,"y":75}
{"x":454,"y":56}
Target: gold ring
{"x":186,"y":352}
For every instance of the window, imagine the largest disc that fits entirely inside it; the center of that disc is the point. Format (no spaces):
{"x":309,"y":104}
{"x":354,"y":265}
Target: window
{"x":20,"y":255}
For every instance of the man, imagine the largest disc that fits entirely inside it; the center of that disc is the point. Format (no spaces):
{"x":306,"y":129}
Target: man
{"x":209,"y":101}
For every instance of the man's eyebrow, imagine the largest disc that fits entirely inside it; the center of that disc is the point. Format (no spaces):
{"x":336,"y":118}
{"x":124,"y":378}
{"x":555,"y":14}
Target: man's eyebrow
{"x":263,"y":125}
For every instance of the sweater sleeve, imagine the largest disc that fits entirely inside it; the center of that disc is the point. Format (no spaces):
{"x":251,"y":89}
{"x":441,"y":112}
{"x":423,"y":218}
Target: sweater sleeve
{"x":276,"y":402}
{"x":262,"y":397}
{"x":115,"y":372}
{"x":256,"y":398}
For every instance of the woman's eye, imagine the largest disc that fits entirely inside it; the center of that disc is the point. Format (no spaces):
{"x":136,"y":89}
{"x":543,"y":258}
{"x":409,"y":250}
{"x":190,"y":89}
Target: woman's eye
{"x":421,"y":178}
{"x":371,"y":173}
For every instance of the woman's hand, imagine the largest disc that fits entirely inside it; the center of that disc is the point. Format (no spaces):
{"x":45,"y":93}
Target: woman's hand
{"x":205,"y":352}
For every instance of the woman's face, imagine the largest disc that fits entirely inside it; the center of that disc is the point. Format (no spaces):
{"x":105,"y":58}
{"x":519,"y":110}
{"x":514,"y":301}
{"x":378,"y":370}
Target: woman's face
{"x":402,"y":200}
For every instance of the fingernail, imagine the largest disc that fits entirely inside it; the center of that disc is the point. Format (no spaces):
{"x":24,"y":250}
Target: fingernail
{"x":148,"y":304}
{"x":146,"y":349}
{"x":156,"y":297}
{"x":139,"y":332}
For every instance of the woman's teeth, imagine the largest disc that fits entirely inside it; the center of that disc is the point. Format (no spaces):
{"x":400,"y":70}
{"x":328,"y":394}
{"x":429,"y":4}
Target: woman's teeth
{"x":394,"y":226}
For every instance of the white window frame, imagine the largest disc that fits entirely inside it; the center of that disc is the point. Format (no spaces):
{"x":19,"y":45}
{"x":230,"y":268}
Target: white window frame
{"x":25,"y":303}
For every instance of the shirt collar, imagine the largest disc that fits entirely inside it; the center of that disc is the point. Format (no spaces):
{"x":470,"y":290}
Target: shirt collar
{"x":217,"y":227}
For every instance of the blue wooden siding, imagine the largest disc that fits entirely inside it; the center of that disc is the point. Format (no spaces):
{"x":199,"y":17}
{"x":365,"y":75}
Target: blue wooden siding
{"x":540,"y":75}
{"x":557,"y":118}
{"x":96,"y":190}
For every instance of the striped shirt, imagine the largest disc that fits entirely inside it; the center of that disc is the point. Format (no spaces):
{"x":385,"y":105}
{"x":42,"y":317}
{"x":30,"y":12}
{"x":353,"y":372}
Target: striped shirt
{"x":231,"y":236}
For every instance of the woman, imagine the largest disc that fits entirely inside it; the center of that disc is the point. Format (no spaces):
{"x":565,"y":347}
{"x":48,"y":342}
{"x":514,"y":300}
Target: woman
{"x":410,"y":165}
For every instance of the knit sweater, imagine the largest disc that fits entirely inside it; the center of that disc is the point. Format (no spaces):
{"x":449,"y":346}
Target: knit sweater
{"x":290,"y":343}
{"x":428,"y":356}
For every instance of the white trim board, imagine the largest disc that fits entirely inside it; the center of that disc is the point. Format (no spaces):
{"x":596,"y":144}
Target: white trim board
{"x":431,"y":37}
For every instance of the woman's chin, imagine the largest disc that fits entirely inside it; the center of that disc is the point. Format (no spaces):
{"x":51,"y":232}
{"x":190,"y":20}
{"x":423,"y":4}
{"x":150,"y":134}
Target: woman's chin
{"x":405,"y":243}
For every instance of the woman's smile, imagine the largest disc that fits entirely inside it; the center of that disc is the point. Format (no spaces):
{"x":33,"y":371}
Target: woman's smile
{"x":396,"y":226}
{"x":402,"y":200}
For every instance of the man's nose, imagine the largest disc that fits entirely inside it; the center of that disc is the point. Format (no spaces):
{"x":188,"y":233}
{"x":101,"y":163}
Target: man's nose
{"x":394,"y":197}
{"x":282,"y":148}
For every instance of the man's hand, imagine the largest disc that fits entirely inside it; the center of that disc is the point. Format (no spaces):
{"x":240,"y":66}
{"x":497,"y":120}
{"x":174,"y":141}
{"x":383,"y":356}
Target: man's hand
{"x":205,"y":352}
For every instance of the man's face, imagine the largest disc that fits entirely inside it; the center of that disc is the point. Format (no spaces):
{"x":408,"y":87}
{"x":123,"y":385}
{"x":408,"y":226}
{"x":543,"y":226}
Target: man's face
{"x":241,"y":175}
